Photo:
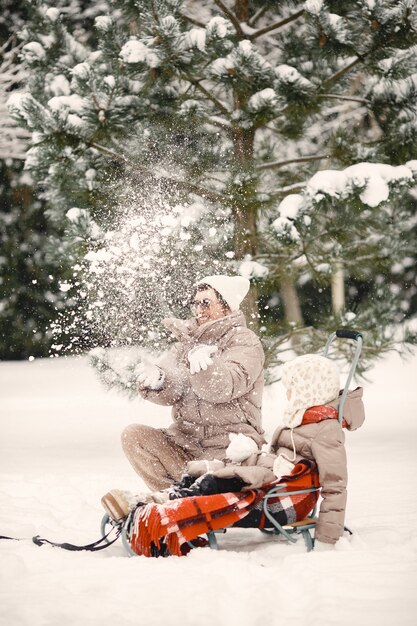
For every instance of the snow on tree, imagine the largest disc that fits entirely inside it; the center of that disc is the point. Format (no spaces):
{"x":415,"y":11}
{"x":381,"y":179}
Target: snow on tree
{"x":232,"y":106}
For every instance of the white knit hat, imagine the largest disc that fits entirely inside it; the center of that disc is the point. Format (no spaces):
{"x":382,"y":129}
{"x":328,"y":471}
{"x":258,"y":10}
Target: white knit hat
{"x":231,"y":288}
{"x":313,"y":380}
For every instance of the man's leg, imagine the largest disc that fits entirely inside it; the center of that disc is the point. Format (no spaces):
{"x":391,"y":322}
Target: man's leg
{"x":154,"y":456}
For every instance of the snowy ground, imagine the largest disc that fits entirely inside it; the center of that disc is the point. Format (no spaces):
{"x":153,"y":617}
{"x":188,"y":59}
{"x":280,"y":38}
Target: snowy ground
{"x":59,"y":452}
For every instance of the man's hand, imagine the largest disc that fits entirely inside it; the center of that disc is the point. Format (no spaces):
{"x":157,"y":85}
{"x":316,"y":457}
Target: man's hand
{"x":149,"y":376}
{"x":199,"y":357}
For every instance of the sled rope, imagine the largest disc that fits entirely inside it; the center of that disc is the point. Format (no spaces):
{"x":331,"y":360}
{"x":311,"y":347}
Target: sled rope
{"x":12,"y":538}
{"x":100,"y":544}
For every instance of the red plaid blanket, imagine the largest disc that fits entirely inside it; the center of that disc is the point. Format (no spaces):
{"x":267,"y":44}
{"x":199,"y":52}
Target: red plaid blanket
{"x":174,"y":523}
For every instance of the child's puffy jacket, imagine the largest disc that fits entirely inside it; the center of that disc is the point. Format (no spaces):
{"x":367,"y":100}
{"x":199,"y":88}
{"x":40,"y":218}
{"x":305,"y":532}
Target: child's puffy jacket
{"x":323,"y":441}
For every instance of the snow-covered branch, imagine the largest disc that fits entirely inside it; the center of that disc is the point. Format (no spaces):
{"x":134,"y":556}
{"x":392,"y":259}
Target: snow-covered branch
{"x":347,"y":98}
{"x":193,"y":21}
{"x":343,"y":71}
{"x":304,"y":159}
{"x":14,"y":140}
{"x":232,"y":17}
{"x":107,"y":151}
{"x":197,"y":84}
{"x":258,"y":15}
{"x":285,"y":191}
{"x":172,"y":182}
{"x":271,"y":27}
{"x":218,"y":122}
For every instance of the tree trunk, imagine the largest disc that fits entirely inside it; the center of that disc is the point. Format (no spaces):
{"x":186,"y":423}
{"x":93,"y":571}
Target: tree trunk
{"x":244,"y":208}
{"x":250,"y":308}
{"x":338,"y":288}
{"x":291,"y":302}
{"x":245,"y":214}
{"x":242,"y":10}
{"x":244,"y":211}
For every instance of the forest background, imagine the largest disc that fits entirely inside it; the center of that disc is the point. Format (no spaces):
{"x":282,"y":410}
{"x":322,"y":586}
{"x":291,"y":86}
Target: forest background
{"x":145,"y":144}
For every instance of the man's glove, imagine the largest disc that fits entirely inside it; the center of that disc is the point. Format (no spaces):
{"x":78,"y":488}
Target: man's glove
{"x":149,"y":376}
{"x":200,"y":357}
{"x":240,"y":447}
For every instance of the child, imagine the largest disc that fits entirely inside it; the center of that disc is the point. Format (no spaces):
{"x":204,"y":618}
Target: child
{"x":311,"y":430}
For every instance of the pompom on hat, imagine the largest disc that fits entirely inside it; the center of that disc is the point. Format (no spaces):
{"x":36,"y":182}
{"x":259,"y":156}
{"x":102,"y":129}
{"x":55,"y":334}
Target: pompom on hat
{"x":231,"y":288}
{"x":313,"y":380}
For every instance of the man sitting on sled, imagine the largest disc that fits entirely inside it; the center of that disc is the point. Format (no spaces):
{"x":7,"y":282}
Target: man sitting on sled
{"x":213,"y":379}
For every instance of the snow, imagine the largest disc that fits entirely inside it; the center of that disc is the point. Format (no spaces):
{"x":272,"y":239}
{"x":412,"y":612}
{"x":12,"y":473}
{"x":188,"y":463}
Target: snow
{"x":52,"y":14}
{"x":81,"y":71}
{"x":64,"y":286}
{"x":221,"y":66}
{"x":33,"y":51}
{"x":335,"y":20}
{"x":246,"y":29}
{"x":288,"y":74}
{"x":252,"y":269}
{"x":73,"y":102}
{"x":218,"y":27}
{"x":284,"y":226}
{"x":60,"y":86}
{"x":373,"y":177}
{"x":313,"y":6}
{"x":76,"y":121}
{"x":75,"y":214}
{"x":17,"y":100}
{"x":110,"y":81}
{"x":412,"y":165}
{"x":290,"y":205}
{"x":246,"y":47}
{"x":103,"y":22}
{"x":262,"y":99}
{"x":60,"y":453}
{"x":135,"y":51}
{"x":196,"y":38}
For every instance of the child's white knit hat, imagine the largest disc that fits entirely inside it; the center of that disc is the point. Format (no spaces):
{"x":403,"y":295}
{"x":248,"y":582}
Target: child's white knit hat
{"x":313,"y":380}
{"x":231,"y":288}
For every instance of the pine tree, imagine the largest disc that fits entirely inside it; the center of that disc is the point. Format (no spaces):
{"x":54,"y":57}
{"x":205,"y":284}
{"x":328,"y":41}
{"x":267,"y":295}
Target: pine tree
{"x":29,"y":278}
{"x":35,"y":256}
{"x":229,"y":108}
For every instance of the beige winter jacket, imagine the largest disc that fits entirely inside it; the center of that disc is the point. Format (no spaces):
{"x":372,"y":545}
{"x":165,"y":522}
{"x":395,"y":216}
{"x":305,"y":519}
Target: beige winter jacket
{"x":323,"y":442}
{"x":225,"y":398}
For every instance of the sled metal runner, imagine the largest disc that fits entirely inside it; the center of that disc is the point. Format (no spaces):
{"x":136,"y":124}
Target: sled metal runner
{"x":291,"y":531}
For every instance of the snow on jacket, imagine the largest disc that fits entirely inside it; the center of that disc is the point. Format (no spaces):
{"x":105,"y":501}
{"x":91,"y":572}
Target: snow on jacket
{"x":323,"y":442}
{"x":225,"y":398}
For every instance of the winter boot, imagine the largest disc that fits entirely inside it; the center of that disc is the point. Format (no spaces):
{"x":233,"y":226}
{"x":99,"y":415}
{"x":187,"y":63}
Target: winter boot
{"x":116,"y":503}
{"x":119,"y":504}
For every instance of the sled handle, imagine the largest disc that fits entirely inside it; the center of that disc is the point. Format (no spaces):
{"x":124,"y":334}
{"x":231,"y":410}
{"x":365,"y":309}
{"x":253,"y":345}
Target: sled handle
{"x":357,"y":337}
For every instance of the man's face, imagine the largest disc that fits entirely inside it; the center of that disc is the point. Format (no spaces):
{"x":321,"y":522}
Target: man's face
{"x":206,"y":307}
